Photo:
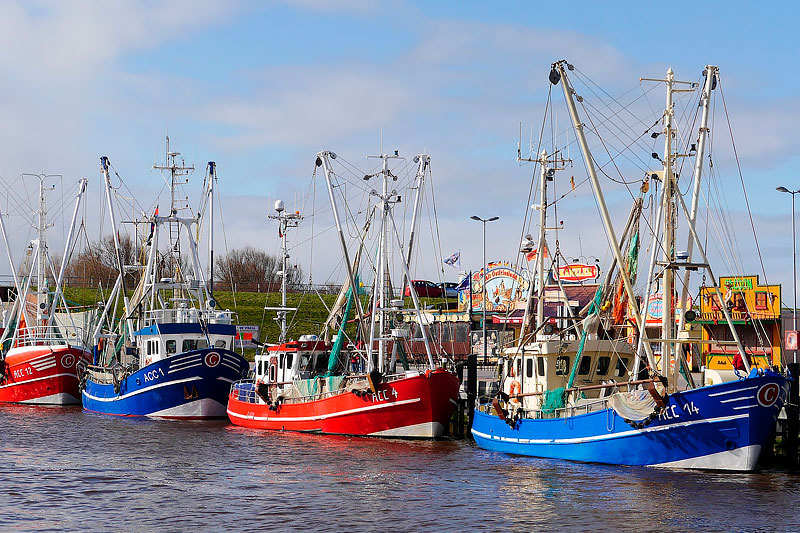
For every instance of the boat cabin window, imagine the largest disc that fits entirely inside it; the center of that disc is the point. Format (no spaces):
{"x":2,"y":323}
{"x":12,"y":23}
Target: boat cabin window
{"x":519,"y":367}
{"x":202,"y":343}
{"x":149,"y":347}
{"x":189,"y":345}
{"x":220,"y":344}
{"x":321,"y":364}
{"x":529,"y":367}
{"x":562,"y":365}
{"x":289,"y":359}
{"x":540,"y":365}
{"x":304,"y":360}
{"x":603,"y":362}
{"x":281,"y":359}
{"x":586,"y":365}
{"x":622,"y":367}
{"x":172,"y":346}
{"x":272,"y":371}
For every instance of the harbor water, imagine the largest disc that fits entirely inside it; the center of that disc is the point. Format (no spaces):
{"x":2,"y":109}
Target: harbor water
{"x":63,"y":469}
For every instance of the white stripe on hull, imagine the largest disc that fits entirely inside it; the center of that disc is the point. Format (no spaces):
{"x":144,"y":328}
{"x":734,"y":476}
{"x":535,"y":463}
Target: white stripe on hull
{"x":205,"y":408}
{"x":140,"y":391}
{"x":61,"y":398}
{"x":425,"y":430}
{"x":27,"y":381}
{"x":744,"y":458}
{"x":609,"y":436}
{"x":325,"y":416}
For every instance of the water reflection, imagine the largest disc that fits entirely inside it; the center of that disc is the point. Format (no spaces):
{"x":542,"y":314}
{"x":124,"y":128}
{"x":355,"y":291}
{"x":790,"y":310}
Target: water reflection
{"x":65,"y":469}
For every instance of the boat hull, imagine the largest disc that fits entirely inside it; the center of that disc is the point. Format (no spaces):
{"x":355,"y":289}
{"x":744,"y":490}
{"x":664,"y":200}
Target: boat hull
{"x":191,"y":385}
{"x":411,"y":407}
{"x":43,"y":375}
{"x":720,"y":427}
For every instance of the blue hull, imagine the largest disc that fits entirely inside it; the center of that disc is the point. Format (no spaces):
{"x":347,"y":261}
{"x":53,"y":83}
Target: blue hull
{"x":717,"y":427}
{"x":189,"y":385}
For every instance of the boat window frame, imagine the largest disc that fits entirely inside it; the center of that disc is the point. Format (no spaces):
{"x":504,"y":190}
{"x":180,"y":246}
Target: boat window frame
{"x":603,"y":370}
{"x":585,"y":366}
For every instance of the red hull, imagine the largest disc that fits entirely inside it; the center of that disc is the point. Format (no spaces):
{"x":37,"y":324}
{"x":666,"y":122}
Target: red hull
{"x":42,"y":375}
{"x":411,"y":407}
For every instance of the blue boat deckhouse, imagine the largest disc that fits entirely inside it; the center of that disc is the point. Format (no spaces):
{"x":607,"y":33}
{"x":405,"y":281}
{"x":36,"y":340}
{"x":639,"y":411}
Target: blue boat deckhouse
{"x":171,"y":355}
{"x":603,"y":390}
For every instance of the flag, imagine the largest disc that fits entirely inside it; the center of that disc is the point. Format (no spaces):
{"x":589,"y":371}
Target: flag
{"x":464,"y":285}
{"x":530,"y":256}
{"x":453,"y":259}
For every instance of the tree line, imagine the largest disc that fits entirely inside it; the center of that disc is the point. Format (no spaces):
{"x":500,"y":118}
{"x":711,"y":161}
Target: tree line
{"x":243,"y":269}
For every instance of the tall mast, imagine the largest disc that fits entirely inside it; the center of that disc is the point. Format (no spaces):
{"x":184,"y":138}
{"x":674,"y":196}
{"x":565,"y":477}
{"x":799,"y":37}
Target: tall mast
{"x":285,"y":221}
{"x":322,"y":160}
{"x":668,"y":250}
{"x":557,"y":74}
{"x":67,"y":250}
{"x":381,"y":289}
{"x":705,"y":98}
{"x":175,"y":171}
{"x":212,"y":177}
{"x":104,"y":164}
{"x":41,"y":264}
{"x":542,"y":234}
{"x":423,"y":161}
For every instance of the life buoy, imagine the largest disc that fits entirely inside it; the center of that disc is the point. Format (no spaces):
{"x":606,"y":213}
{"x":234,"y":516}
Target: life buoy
{"x":514,"y":390}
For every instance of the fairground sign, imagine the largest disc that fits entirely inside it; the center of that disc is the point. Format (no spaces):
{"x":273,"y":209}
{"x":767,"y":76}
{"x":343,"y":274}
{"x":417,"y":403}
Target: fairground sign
{"x":578,"y":272}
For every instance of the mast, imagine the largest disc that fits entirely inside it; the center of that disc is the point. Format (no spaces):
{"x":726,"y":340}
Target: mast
{"x":668,"y":250}
{"x":556,"y":74}
{"x":68,"y":247}
{"x":322,"y":160}
{"x":175,"y":171}
{"x":285,"y":221}
{"x":41,"y":263}
{"x":542,"y":245}
{"x":705,"y":98}
{"x":381,"y":289}
{"x":423,"y":161}
{"x":212,"y":177}
{"x":104,"y":164}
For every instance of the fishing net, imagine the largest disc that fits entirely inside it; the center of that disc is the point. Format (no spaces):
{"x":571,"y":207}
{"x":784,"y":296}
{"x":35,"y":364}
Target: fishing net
{"x":553,"y":400}
{"x":634,"y":405}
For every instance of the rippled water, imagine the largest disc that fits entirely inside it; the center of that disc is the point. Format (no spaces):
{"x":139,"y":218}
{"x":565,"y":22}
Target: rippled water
{"x":62,"y":469}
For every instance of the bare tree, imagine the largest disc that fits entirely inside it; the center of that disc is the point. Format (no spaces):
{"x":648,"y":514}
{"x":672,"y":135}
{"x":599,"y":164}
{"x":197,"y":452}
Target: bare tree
{"x":98,"y":262}
{"x":252,"y":269}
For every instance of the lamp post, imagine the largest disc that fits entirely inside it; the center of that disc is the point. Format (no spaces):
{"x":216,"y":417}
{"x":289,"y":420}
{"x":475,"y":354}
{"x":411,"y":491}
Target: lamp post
{"x":472,"y":362}
{"x":485,"y":268}
{"x":794,"y":264}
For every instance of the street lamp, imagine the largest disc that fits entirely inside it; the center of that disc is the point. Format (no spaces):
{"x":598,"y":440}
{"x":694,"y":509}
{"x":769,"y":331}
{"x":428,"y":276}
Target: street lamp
{"x":794,"y":264}
{"x":485,"y":268}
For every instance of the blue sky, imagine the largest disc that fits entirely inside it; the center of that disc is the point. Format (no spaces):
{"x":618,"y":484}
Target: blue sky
{"x":260,"y":87}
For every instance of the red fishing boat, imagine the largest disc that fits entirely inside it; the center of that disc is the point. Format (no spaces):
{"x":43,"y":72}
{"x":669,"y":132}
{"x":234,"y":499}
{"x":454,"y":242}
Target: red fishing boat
{"x":366,"y":385}
{"x":43,"y":374}
{"x":42,"y":343}
{"x":408,"y":405}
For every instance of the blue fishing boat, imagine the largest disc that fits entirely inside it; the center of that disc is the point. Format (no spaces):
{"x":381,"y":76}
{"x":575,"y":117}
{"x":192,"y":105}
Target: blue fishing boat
{"x":172,"y":354}
{"x":596,"y":390}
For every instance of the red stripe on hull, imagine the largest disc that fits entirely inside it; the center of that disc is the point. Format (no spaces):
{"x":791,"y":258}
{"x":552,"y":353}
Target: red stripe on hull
{"x":42,"y":374}
{"x":418,"y":406}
